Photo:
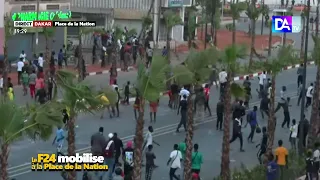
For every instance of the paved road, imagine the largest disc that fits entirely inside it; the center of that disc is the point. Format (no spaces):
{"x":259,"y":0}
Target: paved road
{"x":164,"y":128}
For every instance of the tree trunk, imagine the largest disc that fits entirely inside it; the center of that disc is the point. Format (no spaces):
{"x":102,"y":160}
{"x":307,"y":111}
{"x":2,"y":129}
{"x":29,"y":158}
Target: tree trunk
{"x":47,"y":53}
{"x":5,"y":70}
{"x":284,"y":39}
{"x":71,"y":143}
{"x":253,"y":39}
{"x":189,"y":136}
{"x":302,"y":38}
{"x":225,"y":159}
{"x":138,"y":143}
{"x":148,"y":15}
{"x":314,"y":119}
{"x":233,"y":31}
{"x":168,"y":44}
{"x":4,"y":161}
{"x":272,"y":119}
{"x":317,"y":19}
{"x":80,"y":60}
{"x":270,"y":42}
{"x":205,"y":35}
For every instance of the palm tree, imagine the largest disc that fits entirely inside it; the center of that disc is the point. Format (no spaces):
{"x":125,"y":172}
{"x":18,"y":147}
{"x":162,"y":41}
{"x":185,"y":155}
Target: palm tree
{"x":236,"y":8}
{"x":77,"y":97}
{"x":274,"y":67}
{"x":317,"y":18}
{"x":228,"y":60}
{"x":193,"y":72}
{"x":303,"y":18}
{"x":314,"y":119}
{"x":253,"y":13}
{"x":146,"y":21}
{"x":150,"y":83}
{"x":270,"y":38}
{"x":192,"y":25}
{"x":34,"y":121}
{"x":9,"y":31}
{"x":171,"y":19}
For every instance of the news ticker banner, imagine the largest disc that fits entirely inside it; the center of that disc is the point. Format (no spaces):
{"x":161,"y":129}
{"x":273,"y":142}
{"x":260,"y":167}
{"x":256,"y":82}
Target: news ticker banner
{"x":52,"y":162}
{"x":26,"y":24}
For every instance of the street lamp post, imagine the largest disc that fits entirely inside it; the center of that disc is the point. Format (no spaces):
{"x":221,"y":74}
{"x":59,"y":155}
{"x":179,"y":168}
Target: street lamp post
{"x":302,"y":116}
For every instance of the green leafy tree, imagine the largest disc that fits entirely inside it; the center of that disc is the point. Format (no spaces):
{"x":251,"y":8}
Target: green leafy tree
{"x":194,"y":72}
{"x":228,"y":60}
{"x":77,"y":97}
{"x":171,"y":19}
{"x":253,"y":13}
{"x":192,"y":25}
{"x":16,"y":122}
{"x":150,"y":83}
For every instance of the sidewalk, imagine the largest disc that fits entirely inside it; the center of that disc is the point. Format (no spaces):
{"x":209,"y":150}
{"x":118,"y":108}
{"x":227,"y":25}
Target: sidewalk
{"x":224,"y":39}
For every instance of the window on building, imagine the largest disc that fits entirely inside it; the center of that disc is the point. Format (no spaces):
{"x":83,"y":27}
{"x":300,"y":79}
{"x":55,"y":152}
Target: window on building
{"x":53,"y":7}
{"x":28,"y":8}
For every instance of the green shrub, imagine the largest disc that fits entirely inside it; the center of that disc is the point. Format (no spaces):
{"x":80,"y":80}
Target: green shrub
{"x":295,"y":169}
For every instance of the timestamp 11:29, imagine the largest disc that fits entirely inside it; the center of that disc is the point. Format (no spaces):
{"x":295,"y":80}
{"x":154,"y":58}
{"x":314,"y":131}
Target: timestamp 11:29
{"x":20,"y":31}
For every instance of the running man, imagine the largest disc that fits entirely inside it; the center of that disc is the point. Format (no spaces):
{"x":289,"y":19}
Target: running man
{"x":59,"y":140}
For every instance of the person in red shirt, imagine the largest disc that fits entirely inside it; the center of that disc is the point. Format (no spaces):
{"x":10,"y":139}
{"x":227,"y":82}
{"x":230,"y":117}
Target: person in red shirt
{"x":207,"y":94}
{"x":136,"y":106}
{"x":153,"y":110}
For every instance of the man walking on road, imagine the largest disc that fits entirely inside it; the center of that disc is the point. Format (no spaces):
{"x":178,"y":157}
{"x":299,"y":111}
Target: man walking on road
{"x":118,"y":147}
{"x":197,"y":160}
{"x":252,"y":120}
{"x":59,"y":140}
{"x":220,"y":111}
{"x":237,"y":132}
{"x":175,"y":161}
{"x":286,"y":113}
{"x":98,"y":143}
{"x":109,"y":155}
{"x":148,"y":140}
{"x":262,"y":78}
{"x":309,"y":95}
{"x":183,"y":108}
{"x":263,"y":144}
{"x":150,"y":156}
{"x":300,"y":75}
{"x":222,"y":80}
{"x":20,"y":66}
{"x":282,"y":159}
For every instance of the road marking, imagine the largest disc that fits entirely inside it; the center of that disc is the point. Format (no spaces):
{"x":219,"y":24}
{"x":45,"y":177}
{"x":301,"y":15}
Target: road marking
{"x":25,"y":168}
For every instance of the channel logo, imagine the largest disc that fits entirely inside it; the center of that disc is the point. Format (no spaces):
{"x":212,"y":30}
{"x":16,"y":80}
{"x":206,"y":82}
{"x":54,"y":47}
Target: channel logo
{"x":286,"y":24}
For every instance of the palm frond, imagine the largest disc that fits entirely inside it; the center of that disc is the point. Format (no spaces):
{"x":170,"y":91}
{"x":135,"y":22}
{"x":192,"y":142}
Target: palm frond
{"x":12,"y":121}
{"x":151,"y":82}
{"x":237,"y":90}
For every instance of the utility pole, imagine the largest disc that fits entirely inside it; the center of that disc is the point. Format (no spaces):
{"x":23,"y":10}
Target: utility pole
{"x":302,"y":116}
{"x":37,"y":31}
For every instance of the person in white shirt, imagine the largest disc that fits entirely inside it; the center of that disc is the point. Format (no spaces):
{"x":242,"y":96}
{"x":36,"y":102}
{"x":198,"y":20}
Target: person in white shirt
{"x":262,"y":78}
{"x":148,"y":140}
{"x":309,"y":95}
{"x":23,"y":56}
{"x":174,"y":162}
{"x":40,"y":60}
{"x":316,"y":155}
{"x":20,"y":65}
{"x":293,"y":134}
{"x":223,"y":80}
{"x":1,"y":84}
{"x":184,"y":91}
